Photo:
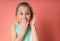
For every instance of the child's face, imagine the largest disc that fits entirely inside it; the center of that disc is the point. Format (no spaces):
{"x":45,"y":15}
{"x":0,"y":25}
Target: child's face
{"x":23,"y":13}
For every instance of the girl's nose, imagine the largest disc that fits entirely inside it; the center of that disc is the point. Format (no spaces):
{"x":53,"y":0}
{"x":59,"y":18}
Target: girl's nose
{"x":24,"y":16}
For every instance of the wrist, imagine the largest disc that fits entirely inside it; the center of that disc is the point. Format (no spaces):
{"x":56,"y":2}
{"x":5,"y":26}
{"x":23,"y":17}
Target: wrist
{"x":32,"y":26}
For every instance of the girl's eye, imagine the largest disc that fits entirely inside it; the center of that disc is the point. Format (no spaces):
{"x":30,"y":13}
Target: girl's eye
{"x":27,"y":13}
{"x":21,"y":13}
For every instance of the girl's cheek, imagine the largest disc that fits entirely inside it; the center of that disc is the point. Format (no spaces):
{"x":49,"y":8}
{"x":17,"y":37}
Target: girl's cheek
{"x":28,"y":18}
{"x":19,"y":18}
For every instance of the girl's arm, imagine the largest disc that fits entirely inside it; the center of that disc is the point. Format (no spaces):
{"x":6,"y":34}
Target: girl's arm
{"x":24,"y":26}
{"x":13,"y":34}
{"x":34,"y":34}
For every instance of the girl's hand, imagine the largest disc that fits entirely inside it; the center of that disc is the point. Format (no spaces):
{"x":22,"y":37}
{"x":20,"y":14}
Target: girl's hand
{"x":24,"y":25}
{"x":32,"y":22}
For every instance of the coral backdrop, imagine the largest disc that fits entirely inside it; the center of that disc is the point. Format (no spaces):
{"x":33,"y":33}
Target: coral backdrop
{"x":47,"y":18}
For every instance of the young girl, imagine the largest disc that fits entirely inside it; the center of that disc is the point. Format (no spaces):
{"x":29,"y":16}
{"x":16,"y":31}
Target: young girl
{"x":24,"y":29}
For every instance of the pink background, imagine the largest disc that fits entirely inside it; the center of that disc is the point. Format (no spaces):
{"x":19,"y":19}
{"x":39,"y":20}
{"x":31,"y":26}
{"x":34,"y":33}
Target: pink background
{"x":47,"y":18}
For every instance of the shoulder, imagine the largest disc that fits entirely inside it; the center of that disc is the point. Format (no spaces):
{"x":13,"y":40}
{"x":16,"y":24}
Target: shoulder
{"x":12,"y":31}
{"x":12,"y":27}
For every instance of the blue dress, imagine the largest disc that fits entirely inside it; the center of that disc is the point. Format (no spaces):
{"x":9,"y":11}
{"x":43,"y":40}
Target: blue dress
{"x":28,"y":35}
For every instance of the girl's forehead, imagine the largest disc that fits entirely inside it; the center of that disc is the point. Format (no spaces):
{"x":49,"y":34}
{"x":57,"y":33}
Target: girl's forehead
{"x":23,"y":8}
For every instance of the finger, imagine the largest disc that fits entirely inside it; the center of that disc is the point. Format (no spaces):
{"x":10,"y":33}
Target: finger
{"x":34,"y":17}
{"x":27,"y":22}
{"x":24,"y":21}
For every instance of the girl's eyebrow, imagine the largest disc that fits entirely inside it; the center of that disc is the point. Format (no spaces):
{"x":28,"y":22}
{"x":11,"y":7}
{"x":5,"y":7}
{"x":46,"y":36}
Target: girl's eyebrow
{"x":27,"y":11}
{"x":20,"y":11}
